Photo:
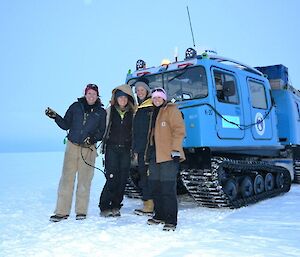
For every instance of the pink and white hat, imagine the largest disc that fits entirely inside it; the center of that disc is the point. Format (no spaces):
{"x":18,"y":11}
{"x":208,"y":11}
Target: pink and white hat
{"x":159,"y":92}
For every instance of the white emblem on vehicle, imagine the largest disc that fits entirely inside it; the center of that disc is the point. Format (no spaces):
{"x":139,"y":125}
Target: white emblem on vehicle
{"x":260,"y":124}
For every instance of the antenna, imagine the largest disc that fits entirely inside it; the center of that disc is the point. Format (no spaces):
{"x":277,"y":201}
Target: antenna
{"x":187,"y":8}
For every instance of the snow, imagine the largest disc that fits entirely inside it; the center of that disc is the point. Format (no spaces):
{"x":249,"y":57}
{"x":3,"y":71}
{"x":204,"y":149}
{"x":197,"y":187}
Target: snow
{"x":28,"y":195}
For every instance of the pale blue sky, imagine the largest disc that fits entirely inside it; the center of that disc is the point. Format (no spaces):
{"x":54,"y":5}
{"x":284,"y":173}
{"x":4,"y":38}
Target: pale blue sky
{"x":51,"y":49}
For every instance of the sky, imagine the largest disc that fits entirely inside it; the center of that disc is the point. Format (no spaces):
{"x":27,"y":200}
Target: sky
{"x":50,"y":50}
{"x":270,"y":228}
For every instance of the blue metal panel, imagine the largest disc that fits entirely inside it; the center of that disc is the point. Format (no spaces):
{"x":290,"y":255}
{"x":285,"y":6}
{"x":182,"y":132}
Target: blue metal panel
{"x":199,"y":124}
{"x":287,"y":110}
{"x":275,"y":72}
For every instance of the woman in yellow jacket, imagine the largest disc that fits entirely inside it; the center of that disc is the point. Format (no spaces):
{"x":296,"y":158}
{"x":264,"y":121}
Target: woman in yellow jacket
{"x":164,"y":152}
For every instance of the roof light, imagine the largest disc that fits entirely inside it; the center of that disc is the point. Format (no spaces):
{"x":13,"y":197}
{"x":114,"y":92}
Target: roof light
{"x":140,"y":65}
{"x":165,"y":62}
{"x":190,"y":53}
{"x":205,"y":55}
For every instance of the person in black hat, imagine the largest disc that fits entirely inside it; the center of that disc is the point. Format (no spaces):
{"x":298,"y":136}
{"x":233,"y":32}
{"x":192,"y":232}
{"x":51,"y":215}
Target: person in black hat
{"x":117,"y":146}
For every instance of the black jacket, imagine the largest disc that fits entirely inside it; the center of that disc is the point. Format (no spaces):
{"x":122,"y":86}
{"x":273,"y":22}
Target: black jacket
{"x":119,"y":130}
{"x":141,"y":126}
{"x":83,"y":121}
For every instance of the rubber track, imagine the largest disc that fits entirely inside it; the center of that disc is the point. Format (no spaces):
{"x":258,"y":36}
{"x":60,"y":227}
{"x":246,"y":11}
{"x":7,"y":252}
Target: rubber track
{"x":132,"y":191}
{"x":205,"y":186}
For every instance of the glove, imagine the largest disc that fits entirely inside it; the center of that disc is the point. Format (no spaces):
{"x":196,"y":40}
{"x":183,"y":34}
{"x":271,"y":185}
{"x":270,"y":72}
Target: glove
{"x":175,"y":156}
{"x":50,"y":113}
{"x":134,"y":159}
{"x":87,"y":141}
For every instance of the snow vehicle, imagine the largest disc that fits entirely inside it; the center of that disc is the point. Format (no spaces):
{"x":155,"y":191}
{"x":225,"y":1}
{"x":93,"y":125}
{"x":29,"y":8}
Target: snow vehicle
{"x":242,"y":141}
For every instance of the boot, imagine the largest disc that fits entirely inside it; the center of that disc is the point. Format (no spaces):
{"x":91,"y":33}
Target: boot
{"x":106,"y":213}
{"x":169,"y":227}
{"x":116,"y":212}
{"x":80,"y":216}
{"x":57,"y":218}
{"x":154,"y":221}
{"x":147,"y":208}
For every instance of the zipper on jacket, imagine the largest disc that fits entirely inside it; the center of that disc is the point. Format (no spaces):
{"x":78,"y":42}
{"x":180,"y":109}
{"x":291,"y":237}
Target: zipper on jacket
{"x":148,"y":136}
{"x":85,"y":115}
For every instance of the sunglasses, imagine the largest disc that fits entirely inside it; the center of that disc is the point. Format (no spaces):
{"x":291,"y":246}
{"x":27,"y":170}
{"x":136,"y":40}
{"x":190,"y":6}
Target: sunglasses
{"x":92,"y":86}
{"x":159,"y":90}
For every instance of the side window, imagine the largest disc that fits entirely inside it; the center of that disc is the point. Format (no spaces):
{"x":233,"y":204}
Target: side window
{"x":226,"y":87}
{"x":258,"y":94}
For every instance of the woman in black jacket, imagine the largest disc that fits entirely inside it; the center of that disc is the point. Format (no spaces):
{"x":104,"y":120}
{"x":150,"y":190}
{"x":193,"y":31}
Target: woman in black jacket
{"x":117,"y":146}
{"x":85,"y":120}
{"x":141,"y":128}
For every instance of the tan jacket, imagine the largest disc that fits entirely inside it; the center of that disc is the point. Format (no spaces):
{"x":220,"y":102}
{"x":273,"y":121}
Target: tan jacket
{"x":169,"y":133}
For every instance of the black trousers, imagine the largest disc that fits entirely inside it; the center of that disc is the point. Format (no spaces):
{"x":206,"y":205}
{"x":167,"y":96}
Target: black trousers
{"x":163,"y":182}
{"x":117,"y":165}
{"x":144,"y":178}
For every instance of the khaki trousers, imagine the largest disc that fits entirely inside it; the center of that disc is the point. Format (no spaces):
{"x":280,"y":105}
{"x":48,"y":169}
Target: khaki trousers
{"x":74,"y":165}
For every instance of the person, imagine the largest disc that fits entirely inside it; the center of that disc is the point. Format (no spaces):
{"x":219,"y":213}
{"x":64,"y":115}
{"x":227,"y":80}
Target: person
{"x":116,"y":146}
{"x":141,"y":126}
{"x":164,"y":152}
{"x":86,"y":120}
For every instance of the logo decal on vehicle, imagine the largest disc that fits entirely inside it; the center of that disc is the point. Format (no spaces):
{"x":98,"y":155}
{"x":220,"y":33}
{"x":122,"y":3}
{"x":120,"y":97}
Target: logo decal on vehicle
{"x":259,"y":124}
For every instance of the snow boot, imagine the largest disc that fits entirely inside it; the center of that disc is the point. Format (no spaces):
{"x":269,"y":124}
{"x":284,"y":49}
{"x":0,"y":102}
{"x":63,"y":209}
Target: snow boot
{"x":80,"y":216}
{"x":154,"y":221}
{"x":169,"y":227}
{"x":147,"y":208}
{"x":116,"y":212}
{"x":106,"y":213}
{"x":57,"y":218}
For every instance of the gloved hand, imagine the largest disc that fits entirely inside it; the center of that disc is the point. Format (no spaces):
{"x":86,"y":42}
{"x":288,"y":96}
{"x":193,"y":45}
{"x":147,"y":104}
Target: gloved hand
{"x":87,"y":141}
{"x":134,"y":159}
{"x":50,"y":113}
{"x":175,"y":156}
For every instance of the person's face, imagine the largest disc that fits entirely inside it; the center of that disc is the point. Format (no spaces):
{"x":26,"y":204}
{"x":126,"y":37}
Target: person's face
{"x":91,"y":96}
{"x":157,"y":101}
{"x":141,"y":92}
{"x":122,"y":101}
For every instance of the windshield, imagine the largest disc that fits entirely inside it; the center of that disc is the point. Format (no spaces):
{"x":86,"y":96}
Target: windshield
{"x":184,"y":84}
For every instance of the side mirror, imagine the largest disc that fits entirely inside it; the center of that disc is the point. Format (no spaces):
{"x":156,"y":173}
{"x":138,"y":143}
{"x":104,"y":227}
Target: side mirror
{"x":229,"y":88}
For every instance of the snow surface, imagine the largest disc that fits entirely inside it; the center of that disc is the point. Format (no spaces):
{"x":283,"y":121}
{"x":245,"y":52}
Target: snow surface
{"x":28,"y":195}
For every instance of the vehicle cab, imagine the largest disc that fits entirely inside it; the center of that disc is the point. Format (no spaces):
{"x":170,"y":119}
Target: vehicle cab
{"x":227,"y":105}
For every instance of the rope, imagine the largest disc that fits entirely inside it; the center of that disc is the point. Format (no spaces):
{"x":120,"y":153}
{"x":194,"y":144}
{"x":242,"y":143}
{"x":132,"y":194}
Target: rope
{"x":241,"y":127}
{"x":89,"y":163}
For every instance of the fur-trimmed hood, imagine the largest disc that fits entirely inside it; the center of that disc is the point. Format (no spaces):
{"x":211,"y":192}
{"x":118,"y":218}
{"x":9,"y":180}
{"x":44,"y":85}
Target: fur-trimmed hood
{"x":127,"y":90}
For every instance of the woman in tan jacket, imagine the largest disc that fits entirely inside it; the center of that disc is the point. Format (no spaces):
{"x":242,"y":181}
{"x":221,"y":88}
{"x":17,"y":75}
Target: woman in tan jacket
{"x":164,"y":152}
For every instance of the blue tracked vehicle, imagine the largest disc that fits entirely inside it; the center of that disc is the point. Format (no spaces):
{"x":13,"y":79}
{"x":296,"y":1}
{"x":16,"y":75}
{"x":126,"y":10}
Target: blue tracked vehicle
{"x":242,"y":141}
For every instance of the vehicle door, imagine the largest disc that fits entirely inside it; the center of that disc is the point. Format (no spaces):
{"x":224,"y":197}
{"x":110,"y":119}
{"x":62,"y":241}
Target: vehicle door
{"x":229,"y":107}
{"x":260,"y":109}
